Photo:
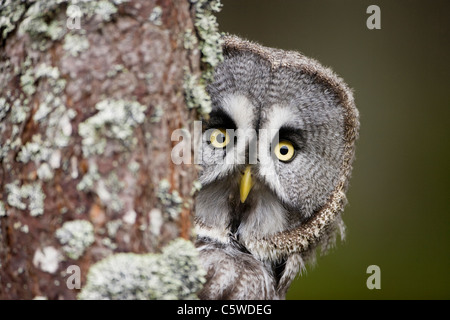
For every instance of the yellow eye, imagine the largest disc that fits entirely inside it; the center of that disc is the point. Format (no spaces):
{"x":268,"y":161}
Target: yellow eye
{"x":284,"y":150}
{"x":219,"y":138}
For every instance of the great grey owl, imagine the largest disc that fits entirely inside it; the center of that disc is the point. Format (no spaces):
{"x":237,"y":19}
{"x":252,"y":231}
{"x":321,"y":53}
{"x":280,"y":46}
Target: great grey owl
{"x":277,"y":155}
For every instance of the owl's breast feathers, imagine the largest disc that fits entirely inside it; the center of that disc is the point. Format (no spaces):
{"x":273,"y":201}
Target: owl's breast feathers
{"x":233,"y":273}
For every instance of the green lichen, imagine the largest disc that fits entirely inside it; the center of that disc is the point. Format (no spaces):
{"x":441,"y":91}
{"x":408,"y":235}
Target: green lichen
{"x":171,"y":200}
{"x":210,"y":45}
{"x":189,"y":40}
{"x":174,"y":274}
{"x":149,"y":77}
{"x":115,"y":120}
{"x":51,"y":113}
{"x":2,"y":209}
{"x":112,"y":227}
{"x":74,"y":44}
{"x":15,"y":195}
{"x":80,"y":210}
{"x":208,"y":32}
{"x":108,"y":191}
{"x":35,"y":150}
{"x":134,"y":166}
{"x":4,"y":108}
{"x":44,"y":70}
{"x":115,"y":69}
{"x":41,"y":24}
{"x":11,"y":144}
{"x":89,"y":179}
{"x":10,"y":13}
{"x":75,"y":236}
{"x":51,"y":110}
{"x":196,"y":186}
{"x":155,"y":16}
{"x":27,"y":79}
{"x":21,"y":227}
{"x":52,"y":74}
{"x":19,"y":111}
{"x":157,"y":114}
{"x":40,"y":18}
{"x":105,"y":9}
{"x":88,"y":8}
{"x":59,"y":127}
{"x":24,"y":228}
{"x":195,"y":94}
{"x":44,"y":108}
{"x":36,"y":198}
{"x":45,"y":172}
{"x":18,"y":197}
{"x":107,"y":242}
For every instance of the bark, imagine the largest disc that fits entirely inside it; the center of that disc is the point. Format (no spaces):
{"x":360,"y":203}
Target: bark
{"x":85,"y":147}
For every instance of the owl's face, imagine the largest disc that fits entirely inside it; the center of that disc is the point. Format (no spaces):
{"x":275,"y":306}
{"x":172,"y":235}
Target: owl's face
{"x":277,"y":153}
{"x":273,"y":148}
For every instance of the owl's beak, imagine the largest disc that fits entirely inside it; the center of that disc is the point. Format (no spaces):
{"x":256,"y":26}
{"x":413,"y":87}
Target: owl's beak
{"x":246,"y":184}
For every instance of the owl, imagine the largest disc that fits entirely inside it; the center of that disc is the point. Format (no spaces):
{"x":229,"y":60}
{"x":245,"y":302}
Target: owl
{"x":277,"y":154}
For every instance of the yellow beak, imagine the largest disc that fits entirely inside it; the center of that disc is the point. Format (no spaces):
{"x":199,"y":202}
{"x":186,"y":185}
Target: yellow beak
{"x":246,"y":184}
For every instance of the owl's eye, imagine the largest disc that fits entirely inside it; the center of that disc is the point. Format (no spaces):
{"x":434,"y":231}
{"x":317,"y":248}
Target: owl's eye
{"x":219,"y":138}
{"x":284,"y":150}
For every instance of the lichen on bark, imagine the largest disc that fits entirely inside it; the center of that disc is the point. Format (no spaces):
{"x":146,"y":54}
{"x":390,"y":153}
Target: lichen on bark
{"x":173,"y":274}
{"x":210,"y":45}
{"x":86,"y":116}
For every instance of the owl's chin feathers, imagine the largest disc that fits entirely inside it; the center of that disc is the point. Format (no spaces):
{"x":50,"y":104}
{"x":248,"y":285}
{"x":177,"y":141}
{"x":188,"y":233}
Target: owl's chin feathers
{"x":218,"y":206}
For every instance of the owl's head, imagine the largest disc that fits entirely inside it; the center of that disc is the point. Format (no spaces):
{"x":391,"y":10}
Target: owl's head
{"x":277,"y":152}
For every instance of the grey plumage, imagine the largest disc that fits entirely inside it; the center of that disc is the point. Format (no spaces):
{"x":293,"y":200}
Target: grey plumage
{"x":253,"y":250}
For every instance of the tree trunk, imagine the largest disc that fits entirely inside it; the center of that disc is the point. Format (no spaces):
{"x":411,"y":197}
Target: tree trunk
{"x":90,"y":95}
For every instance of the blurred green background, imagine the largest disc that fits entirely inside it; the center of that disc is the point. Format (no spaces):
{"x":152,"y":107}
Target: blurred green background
{"x":398,"y":215}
